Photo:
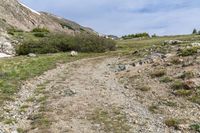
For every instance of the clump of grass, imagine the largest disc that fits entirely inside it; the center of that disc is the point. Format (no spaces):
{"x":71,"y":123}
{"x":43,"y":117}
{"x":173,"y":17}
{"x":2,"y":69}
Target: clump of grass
{"x":172,"y":122}
{"x":23,"y":108}
{"x":195,"y":127}
{"x":170,"y":103}
{"x":40,"y":30}
{"x":9,"y":121}
{"x":153,"y":108}
{"x":144,"y":88}
{"x":111,"y":120}
{"x":158,"y":73}
{"x":176,"y":61}
{"x":20,"y":130}
{"x":178,"y":85}
{"x":187,"y":75}
{"x":188,"y":51}
{"x":166,"y":79}
{"x":195,"y":99}
{"x":183,"y":92}
{"x":40,"y":121}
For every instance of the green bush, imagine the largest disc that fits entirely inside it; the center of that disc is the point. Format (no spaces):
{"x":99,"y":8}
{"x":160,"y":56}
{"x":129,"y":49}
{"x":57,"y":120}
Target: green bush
{"x":39,"y":34}
{"x":188,"y":51}
{"x":166,"y":79}
{"x":136,"y":35}
{"x":195,"y":127}
{"x":158,"y":73}
{"x":172,"y":123}
{"x":178,"y":85}
{"x":40,"y":30}
{"x":53,"y":43}
{"x":13,"y":30}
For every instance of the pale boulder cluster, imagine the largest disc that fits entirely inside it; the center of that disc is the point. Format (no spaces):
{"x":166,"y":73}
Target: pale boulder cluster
{"x":6,"y":46}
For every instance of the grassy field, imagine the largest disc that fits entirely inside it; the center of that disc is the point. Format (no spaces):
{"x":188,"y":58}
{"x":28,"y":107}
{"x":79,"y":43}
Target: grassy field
{"x":17,"y":69}
{"x":126,"y":46}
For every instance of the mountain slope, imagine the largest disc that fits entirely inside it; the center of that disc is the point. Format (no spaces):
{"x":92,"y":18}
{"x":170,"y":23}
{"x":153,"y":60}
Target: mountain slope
{"x":13,"y":13}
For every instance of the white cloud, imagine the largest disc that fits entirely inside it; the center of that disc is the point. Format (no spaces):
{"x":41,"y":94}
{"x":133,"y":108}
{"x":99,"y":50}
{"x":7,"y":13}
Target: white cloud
{"x":127,"y":16}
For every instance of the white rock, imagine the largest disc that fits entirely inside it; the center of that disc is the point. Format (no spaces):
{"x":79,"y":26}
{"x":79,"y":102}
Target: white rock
{"x":74,"y":53}
{"x":32,"y":55}
{"x":3,"y":55}
{"x":195,"y":44}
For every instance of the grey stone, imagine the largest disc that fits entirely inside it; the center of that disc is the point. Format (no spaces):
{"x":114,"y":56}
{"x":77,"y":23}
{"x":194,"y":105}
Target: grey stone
{"x":32,"y":55}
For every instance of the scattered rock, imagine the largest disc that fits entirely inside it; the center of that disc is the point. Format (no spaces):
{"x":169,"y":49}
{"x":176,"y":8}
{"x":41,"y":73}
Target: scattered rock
{"x":32,"y":55}
{"x":172,"y":42}
{"x":74,"y":53}
{"x":195,"y":44}
{"x":69,"y":92}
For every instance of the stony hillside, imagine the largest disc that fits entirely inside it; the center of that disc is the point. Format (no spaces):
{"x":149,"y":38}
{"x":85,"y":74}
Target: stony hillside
{"x":17,"y":16}
{"x":13,"y":13}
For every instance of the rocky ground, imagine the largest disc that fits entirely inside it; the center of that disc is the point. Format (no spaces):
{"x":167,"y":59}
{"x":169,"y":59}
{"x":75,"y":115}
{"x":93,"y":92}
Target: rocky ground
{"x":146,"y":92}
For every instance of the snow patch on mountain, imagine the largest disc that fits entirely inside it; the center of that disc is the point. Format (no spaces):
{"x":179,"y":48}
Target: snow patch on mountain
{"x":31,"y":9}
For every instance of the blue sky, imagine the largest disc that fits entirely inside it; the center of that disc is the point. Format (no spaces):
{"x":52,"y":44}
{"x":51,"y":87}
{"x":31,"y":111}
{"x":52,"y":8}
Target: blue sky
{"x":119,"y":17}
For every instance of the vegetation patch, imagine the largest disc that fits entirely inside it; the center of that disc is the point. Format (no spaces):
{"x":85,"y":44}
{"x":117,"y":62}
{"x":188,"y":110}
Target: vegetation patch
{"x":54,"y":43}
{"x":166,"y":79}
{"x":136,"y":35}
{"x":40,"y":121}
{"x":178,"y":85}
{"x":143,"y":88}
{"x":153,"y":108}
{"x":195,"y":99}
{"x":172,"y":122}
{"x":188,"y":51}
{"x":40,"y":30}
{"x":158,"y":73}
{"x":112,"y":120}
{"x":195,"y":127}
{"x":187,"y":75}
{"x":183,"y":92}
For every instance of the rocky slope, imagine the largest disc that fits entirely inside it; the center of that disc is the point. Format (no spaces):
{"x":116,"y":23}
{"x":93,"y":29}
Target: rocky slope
{"x":13,"y":13}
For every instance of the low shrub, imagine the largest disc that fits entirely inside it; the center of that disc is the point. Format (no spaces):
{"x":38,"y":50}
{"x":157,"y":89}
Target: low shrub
{"x":195,"y":127}
{"x":39,"y":34}
{"x":178,"y":85}
{"x":53,"y":43}
{"x":183,"y":92}
{"x":172,"y":123}
{"x":166,"y":79}
{"x":13,"y":30}
{"x":143,"y":88}
{"x":187,"y":75}
{"x":195,"y":99}
{"x":137,"y":35}
{"x":158,"y":73}
{"x":40,"y":30}
{"x":188,"y":51}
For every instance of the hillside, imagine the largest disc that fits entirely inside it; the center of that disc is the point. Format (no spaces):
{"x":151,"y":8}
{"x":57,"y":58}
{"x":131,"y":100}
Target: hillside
{"x":16,"y":16}
{"x":147,"y":86}
{"x":13,"y":13}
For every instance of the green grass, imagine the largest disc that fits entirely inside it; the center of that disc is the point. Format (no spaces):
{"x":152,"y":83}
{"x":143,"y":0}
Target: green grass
{"x":158,"y":73}
{"x":172,"y":123}
{"x":195,"y":127}
{"x":166,"y":79}
{"x":112,"y":120}
{"x":143,"y":88}
{"x":15,"y":70}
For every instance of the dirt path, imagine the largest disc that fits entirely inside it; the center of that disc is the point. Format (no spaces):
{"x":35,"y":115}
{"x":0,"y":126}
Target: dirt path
{"x":79,"y":97}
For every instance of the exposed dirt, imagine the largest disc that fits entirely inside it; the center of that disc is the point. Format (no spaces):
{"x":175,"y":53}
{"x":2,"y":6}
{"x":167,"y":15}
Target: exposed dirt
{"x":92,"y":95}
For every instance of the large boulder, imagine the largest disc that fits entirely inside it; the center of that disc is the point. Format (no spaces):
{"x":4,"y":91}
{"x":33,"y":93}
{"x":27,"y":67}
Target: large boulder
{"x":6,"y":46}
